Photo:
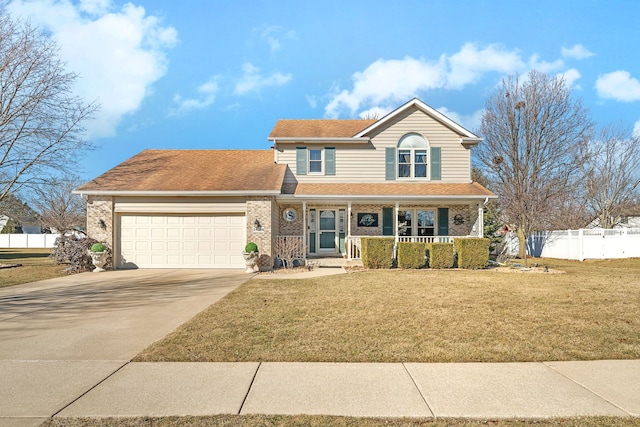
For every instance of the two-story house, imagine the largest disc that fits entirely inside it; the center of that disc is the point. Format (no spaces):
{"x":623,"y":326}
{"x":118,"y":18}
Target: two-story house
{"x":323,"y":185}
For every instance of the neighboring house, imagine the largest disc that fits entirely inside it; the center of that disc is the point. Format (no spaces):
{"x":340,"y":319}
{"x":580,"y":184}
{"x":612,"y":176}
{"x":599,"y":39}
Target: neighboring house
{"x":322,"y":186}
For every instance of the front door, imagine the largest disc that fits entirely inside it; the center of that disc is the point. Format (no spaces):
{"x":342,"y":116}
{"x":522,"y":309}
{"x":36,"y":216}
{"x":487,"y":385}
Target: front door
{"x":327,"y":230}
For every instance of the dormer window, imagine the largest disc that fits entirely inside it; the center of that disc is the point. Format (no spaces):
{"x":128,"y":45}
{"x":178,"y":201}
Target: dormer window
{"x":412,"y":156}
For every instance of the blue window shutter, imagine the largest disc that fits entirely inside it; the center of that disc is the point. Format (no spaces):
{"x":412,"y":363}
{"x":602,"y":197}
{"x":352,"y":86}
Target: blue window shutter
{"x":436,"y":164}
{"x":387,"y":222}
{"x":301,"y":160}
{"x":390,"y":164}
{"x":329,"y":161}
{"x":443,"y":221}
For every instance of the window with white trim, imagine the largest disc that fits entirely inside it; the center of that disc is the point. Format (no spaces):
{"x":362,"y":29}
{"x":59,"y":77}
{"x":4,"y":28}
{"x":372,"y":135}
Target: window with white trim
{"x":315,"y":161}
{"x":416,"y":222}
{"x":412,"y":156}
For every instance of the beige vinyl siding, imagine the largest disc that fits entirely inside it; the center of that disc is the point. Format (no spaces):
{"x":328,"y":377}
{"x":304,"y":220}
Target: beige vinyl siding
{"x":180,"y":205}
{"x":365,"y":163}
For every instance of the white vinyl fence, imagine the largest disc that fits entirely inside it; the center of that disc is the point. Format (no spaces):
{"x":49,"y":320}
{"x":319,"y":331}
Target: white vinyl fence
{"x":25,"y":241}
{"x":596,"y":243}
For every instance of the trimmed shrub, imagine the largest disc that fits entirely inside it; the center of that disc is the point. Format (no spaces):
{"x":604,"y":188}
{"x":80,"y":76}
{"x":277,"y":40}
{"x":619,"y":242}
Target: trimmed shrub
{"x":377,"y":252}
{"x":440,"y":255}
{"x":251,"y":247}
{"x":98,"y":247}
{"x":411,"y":255}
{"x":473,"y":252}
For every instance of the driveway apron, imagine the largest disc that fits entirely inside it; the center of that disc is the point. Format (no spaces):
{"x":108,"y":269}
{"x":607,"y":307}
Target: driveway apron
{"x":61,"y":337}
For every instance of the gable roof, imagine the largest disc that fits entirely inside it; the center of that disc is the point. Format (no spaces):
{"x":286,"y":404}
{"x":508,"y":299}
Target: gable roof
{"x":197,"y":172}
{"x":467,"y":137}
{"x":317,"y":129}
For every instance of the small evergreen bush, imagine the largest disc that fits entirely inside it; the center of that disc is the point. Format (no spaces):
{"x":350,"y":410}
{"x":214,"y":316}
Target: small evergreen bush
{"x":440,"y":255}
{"x":377,"y":252}
{"x":411,"y":255}
{"x":251,"y":247}
{"x":473,"y":252}
{"x":98,"y":247}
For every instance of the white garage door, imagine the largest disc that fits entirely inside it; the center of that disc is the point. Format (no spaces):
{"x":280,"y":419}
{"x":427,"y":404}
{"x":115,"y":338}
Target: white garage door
{"x":182,"y":241}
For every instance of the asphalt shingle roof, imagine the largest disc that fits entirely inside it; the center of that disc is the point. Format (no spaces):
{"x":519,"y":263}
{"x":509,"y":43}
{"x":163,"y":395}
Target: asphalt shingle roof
{"x":193,"y":170}
{"x":318,"y":128}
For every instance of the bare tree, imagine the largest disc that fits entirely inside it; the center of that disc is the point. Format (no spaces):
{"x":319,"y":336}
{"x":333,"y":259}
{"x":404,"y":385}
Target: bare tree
{"x":40,"y":119}
{"x":288,"y":249}
{"x":59,"y":209}
{"x":611,"y":174}
{"x":532,"y":128}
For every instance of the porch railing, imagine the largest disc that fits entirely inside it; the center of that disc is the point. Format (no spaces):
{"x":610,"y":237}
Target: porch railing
{"x":354,"y":243}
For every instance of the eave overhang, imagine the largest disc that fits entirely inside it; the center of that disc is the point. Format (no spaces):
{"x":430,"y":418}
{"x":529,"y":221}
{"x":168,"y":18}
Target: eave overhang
{"x":176,"y":193}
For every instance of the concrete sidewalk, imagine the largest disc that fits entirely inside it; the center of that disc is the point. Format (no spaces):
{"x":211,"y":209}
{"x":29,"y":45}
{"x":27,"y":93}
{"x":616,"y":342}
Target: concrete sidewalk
{"x":468,"y":390}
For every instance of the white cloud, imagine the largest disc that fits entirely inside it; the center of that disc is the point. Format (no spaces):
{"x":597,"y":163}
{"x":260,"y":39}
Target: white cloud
{"x":375,"y":113}
{"x":274,"y":34}
{"x":253,"y":81}
{"x":570,"y":77}
{"x":207,"y":95}
{"x":618,"y":85}
{"x":468,"y":65}
{"x":118,"y":54}
{"x":386,"y":82}
{"x":468,"y":121}
{"x":577,"y":51}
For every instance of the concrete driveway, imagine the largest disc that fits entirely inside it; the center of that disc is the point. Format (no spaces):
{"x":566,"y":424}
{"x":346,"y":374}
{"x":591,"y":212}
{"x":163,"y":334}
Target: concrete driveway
{"x":61,"y":337}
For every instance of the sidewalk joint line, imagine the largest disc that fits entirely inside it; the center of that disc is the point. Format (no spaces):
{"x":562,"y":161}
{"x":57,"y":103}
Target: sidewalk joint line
{"x":90,"y":388}
{"x":424,"y":398}
{"x":587,"y":389}
{"x":249,"y":389}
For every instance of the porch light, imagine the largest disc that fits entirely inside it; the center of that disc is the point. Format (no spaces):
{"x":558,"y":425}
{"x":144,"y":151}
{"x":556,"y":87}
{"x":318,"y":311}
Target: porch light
{"x":257,"y":226}
{"x":102,"y":224}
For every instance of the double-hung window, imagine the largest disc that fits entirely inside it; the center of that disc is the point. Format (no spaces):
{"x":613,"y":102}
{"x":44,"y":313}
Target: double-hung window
{"x":412,"y":156}
{"x":416,"y":222}
{"x":315,"y":161}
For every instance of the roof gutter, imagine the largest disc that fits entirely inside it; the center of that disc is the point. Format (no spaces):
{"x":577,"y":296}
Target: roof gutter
{"x":302,"y":139}
{"x":353,"y":197}
{"x":176,"y":193}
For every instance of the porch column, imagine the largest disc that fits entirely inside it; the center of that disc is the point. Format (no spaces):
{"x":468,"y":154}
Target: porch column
{"x":480,"y":219}
{"x":304,"y":230}
{"x":348,"y":239}
{"x":395,"y":223}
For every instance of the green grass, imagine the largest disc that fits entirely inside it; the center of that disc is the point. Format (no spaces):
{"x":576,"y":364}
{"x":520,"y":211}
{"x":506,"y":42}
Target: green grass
{"x":36,"y":265}
{"x":590,"y":312}
{"x":327,"y":421}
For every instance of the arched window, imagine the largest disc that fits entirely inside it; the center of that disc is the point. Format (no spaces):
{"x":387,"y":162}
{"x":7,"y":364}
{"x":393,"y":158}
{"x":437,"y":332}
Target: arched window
{"x":412,"y":156}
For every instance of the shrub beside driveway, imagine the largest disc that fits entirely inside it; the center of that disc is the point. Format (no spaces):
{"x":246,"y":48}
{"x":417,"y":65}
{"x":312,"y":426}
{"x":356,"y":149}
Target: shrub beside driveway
{"x":590,"y":312}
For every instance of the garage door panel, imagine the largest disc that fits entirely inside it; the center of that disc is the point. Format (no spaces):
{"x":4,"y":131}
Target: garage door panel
{"x":189,"y":241}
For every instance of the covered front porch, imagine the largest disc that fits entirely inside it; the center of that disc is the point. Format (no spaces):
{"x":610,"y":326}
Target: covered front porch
{"x":331,"y":228}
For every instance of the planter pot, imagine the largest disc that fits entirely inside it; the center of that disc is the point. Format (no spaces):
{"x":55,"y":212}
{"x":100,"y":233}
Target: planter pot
{"x":251,"y":261}
{"x":99,"y":259}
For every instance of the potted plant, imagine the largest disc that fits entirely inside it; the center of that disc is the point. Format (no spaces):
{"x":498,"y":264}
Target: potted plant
{"x":250,"y":255}
{"x":98,"y":254}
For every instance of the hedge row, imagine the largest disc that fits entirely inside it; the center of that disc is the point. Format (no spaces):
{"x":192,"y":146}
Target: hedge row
{"x":472,"y":253}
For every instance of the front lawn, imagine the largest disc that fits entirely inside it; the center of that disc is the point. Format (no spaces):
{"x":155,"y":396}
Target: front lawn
{"x":36,"y":265}
{"x":592,"y":311}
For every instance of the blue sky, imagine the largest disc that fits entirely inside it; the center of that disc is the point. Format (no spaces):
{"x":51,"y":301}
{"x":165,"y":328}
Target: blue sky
{"x":217,"y":74}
